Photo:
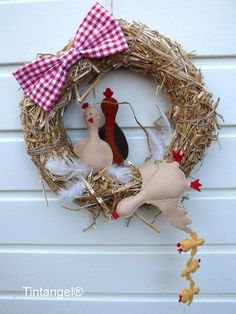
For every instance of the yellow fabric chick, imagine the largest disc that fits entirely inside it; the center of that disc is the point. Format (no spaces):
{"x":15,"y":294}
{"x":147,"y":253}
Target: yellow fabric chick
{"x":192,"y":266}
{"x":186,"y":295}
{"x":190,"y":244}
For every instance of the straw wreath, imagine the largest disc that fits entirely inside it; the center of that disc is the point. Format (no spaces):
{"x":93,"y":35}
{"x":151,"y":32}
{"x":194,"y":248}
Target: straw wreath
{"x":192,"y":114}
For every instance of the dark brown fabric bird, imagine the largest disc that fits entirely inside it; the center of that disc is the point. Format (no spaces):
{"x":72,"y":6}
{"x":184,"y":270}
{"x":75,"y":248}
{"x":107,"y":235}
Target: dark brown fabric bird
{"x":110,"y":132}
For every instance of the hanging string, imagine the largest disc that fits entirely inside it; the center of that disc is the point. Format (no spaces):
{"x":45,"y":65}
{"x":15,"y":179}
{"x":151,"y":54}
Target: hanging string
{"x":141,"y":126}
{"x":95,"y":100}
{"x":111,"y":3}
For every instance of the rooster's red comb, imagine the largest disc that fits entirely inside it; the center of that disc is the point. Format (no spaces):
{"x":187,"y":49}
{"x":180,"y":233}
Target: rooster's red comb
{"x":108,"y":92}
{"x":85,"y":105}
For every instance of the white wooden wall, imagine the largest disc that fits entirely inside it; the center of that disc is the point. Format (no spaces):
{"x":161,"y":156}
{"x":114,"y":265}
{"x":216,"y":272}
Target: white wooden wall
{"x":122,"y":270}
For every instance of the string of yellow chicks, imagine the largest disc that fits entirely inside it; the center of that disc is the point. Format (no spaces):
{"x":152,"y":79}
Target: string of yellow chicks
{"x":186,"y":295}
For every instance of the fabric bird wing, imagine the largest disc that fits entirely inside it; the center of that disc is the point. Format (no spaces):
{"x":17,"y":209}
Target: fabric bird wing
{"x":121,"y":141}
{"x":176,"y":215}
{"x":102,"y":133}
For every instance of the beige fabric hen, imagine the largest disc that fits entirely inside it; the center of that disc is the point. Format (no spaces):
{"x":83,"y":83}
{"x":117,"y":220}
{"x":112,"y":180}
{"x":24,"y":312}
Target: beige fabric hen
{"x":93,"y":151}
{"x":163,"y":185}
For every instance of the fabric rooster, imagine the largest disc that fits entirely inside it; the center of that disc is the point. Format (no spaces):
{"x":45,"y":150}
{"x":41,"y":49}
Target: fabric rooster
{"x":110,"y":132}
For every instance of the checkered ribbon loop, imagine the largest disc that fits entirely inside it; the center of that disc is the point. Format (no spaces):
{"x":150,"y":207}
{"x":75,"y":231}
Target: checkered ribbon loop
{"x":98,"y":36}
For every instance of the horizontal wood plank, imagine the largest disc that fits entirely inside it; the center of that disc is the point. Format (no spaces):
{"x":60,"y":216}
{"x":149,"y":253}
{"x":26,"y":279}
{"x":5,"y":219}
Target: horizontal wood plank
{"x":30,"y":35}
{"x":25,"y":219}
{"x":114,"y":304}
{"x":116,"y":270}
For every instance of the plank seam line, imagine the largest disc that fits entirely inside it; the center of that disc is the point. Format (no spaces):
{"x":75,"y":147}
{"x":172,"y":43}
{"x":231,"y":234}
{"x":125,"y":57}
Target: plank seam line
{"x":119,"y":297}
{"x":63,"y":249}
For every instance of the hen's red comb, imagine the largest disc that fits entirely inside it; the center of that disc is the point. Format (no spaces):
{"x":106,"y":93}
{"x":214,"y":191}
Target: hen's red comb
{"x":108,"y":92}
{"x":85,"y":105}
{"x":177,"y":156}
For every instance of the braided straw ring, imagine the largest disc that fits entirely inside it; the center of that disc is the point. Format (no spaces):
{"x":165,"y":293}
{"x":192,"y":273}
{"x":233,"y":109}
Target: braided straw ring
{"x":192,"y":113}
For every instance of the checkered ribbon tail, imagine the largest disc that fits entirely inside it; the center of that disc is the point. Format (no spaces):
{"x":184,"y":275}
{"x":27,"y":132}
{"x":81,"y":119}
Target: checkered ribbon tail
{"x":98,"y":36}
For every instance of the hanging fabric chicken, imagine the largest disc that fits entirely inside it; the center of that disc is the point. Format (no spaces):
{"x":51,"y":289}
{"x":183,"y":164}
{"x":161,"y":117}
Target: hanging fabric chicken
{"x":110,"y":132}
{"x":163,"y":185}
{"x":94,"y":152}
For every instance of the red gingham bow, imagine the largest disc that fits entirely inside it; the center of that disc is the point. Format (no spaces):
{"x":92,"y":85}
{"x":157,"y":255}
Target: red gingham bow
{"x":98,"y":36}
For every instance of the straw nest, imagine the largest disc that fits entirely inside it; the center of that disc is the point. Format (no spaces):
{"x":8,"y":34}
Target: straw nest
{"x":192,"y":113}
